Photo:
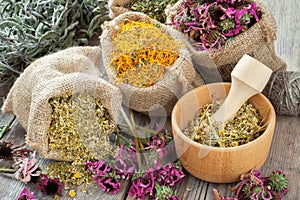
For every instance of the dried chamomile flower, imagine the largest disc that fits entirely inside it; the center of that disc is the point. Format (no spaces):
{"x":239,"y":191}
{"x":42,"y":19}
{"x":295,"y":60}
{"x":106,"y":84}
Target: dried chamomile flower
{"x":244,"y":127}
{"x":69,"y":173}
{"x":79,"y":128}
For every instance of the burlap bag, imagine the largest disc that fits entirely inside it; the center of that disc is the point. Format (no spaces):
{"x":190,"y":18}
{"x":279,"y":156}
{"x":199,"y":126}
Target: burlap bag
{"x":117,"y":7}
{"x":71,"y":71}
{"x":257,"y":42}
{"x":160,"y":98}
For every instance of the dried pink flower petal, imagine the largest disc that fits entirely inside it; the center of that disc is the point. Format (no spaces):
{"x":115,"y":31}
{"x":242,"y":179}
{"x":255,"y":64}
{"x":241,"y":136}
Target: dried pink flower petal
{"x":253,"y":10}
{"x":172,"y":198}
{"x":125,"y":163}
{"x":50,"y":186}
{"x":108,"y":184}
{"x":143,"y":186}
{"x":28,"y":167}
{"x":99,"y":168}
{"x":26,"y":195}
{"x":211,"y":24}
{"x":170,"y":174}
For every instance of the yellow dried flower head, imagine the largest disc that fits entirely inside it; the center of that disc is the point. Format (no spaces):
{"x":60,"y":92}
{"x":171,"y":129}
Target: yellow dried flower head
{"x":72,"y":193}
{"x":76,"y":175}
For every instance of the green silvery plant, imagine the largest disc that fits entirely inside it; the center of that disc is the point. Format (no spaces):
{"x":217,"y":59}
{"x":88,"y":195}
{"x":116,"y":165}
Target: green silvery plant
{"x":34,"y":28}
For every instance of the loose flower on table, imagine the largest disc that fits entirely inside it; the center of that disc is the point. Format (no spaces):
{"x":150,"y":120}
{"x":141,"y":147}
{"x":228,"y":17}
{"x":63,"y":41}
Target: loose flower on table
{"x":8,"y":151}
{"x":28,"y":169}
{"x":154,"y":179}
{"x":255,"y":186}
{"x":50,"y":186}
{"x":26,"y":195}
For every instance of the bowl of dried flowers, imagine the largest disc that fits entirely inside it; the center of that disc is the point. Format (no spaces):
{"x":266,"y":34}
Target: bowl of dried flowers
{"x":221,"y":152}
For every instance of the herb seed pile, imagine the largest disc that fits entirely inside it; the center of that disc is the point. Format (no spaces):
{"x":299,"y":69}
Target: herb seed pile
{"x":243,"y":128}
{"x":79,"y":130}
{"x":141,"y":52}
{"x":153,"y":8}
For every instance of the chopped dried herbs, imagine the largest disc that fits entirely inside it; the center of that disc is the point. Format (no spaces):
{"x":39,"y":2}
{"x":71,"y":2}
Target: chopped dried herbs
{"x":153,"y":8}
{"x":142,"y":50}
{"x":79,"y":128}
{"x":244,"y":127}
{"x":70,"y":173}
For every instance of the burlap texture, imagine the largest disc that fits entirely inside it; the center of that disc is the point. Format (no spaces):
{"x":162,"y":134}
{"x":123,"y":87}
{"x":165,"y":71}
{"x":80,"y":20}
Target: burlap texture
{"x":117,"y":7}
{"x":257,"y":42}
{"x":177,"y":80}
{"x":71,"y":71}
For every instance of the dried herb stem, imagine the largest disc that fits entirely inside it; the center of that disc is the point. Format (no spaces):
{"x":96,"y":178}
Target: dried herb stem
{"x":124,"y":115}
{"x":246,"y":126}
{"x":214,"y":132}
{"x":6,"y":170}
{"x":147,"y":130}
{"x":136,"y":140}
{"x":3,"y":130}
{"x":118,"y":137}
{"x":125,"y":139}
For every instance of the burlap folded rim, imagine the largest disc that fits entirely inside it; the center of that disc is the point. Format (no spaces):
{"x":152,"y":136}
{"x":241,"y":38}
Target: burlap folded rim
{"x":78,"y":59}
{"x":257,"y":41}
{"x":71,"y":71}
{"x":177,"y":80}
{"x":117,"y":7}
{"x":75,"y":83}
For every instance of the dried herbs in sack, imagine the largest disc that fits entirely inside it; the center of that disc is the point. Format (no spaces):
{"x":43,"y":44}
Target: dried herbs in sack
{"x":225,"y":30}
{"x":72,"y":117}
{"x":153,"y":8}
{"x":71,"y":60}
{"x":57,"y":112}
{"x":147,"y":61}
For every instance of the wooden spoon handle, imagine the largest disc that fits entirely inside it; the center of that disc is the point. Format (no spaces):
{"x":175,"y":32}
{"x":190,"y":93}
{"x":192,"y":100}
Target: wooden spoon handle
{"x":249,"y":77}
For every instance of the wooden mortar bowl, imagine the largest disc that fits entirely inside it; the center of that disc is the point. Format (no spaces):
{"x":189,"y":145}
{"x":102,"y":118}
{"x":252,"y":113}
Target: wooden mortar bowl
{"x":216,"y":164}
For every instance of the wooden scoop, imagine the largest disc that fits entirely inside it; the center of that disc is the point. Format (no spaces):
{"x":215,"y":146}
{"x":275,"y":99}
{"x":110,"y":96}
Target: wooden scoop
{"x":249,"y":77}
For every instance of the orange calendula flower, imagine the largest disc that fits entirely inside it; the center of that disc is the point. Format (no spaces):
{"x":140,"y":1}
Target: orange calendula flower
{"x":142,"y":51}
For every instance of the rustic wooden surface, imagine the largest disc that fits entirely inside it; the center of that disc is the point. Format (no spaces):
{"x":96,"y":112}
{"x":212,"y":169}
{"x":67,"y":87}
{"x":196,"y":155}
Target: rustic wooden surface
{"x":287,"y":45}
{"x":284,"y":153}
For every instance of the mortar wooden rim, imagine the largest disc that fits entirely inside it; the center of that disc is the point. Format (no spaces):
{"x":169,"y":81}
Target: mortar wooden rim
{"x":261,"y":140}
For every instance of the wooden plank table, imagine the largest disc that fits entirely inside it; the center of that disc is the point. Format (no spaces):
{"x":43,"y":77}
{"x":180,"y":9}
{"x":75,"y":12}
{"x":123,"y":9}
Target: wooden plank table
{"x":284,"y":153}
